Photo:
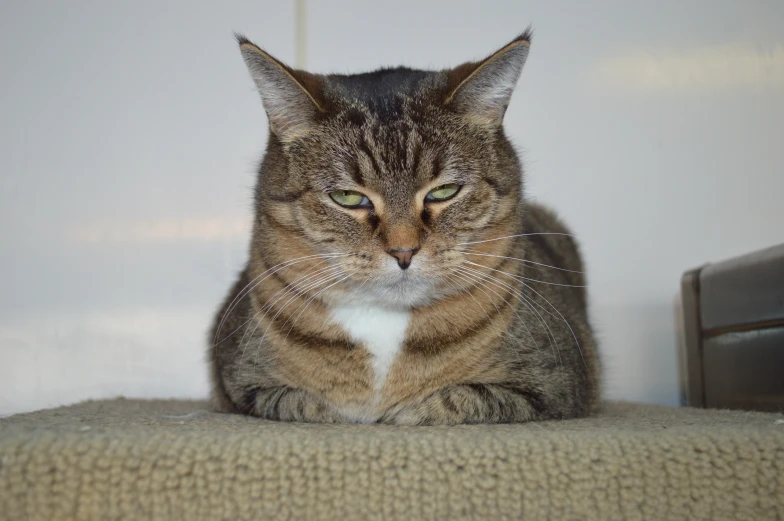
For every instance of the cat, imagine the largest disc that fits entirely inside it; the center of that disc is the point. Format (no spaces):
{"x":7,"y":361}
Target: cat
{"x":397,"y":273}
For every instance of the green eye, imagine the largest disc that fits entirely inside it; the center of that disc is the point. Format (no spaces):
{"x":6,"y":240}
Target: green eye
{"x":443,"y":192}
{"x":350,"y":199}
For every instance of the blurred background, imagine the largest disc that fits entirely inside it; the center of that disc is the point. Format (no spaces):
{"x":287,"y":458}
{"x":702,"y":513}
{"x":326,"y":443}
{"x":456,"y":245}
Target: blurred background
{"x":130,"y":133}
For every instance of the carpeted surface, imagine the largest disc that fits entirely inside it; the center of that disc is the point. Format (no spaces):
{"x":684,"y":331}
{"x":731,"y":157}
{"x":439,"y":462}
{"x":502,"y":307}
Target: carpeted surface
{"x":174,"y":460}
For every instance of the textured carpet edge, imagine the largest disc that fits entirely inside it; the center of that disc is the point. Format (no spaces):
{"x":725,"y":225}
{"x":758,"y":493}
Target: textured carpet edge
{"x":93,"y":465}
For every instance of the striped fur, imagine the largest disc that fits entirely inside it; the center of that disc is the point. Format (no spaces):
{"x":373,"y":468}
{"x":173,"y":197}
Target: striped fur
{"x":324,"y":326}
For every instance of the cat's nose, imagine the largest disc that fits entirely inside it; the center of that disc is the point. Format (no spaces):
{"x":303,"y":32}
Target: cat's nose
{"x":403,"y":256}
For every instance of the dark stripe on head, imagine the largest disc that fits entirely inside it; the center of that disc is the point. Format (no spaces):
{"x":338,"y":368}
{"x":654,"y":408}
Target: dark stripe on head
{"x":416,"y":154}
{"x":437,"y":167}
{"x":356,"y":174}
{"x":366,"y":150}
{"x":386,"y":108}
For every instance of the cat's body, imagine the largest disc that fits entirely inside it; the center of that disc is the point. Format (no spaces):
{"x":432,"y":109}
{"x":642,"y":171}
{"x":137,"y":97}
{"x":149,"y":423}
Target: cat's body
{"x":441,"y":296}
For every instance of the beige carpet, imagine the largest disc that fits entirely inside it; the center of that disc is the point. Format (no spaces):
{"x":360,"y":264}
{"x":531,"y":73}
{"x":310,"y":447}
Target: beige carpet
{"x":174,"y":460}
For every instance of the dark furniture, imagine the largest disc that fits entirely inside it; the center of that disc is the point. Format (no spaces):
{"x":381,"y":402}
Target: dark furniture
{"x":733,"y":332}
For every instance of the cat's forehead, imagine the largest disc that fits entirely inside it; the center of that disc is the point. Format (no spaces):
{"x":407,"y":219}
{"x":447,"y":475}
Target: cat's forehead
{"x":391,"y":157}
{"x":389,"y":131}
{"x":371,"y":87}
{"x":383,"y":97}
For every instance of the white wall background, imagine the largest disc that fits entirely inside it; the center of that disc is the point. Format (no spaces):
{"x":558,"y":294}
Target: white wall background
{"x":129,"y":134}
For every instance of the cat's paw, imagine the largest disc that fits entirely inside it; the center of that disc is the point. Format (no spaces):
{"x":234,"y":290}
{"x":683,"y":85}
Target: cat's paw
{"x":418,"y":414}
{"x":405,"y":416}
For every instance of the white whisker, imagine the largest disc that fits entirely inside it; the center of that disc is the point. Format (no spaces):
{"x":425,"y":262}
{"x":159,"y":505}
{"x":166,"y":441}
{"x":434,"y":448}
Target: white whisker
{"x":516,"y":235}
{"x":307,"y":303}
{"x":243,"y":293}
{"x":521,"y":260}
{"x":282,"y":292}
{"x":466,"y":273}
{"x":524,"y":300}
{"x":307,"y":287}
{"x":457,"y":273}
{"x":454,"y":273}
{"x":260,"y":342}
{"x":579,"y":349}
{"x":520,"y":277}
{"x":323,"y":280}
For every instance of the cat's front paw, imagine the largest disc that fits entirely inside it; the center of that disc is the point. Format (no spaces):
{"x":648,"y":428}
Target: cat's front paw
{"x":404,"y":416}
{"x":468,"y":403}
{"x":422,"y":413}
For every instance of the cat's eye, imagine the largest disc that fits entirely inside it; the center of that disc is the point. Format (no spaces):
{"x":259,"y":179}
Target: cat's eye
{"x":350,"y":199}
{"x":443,"y":192}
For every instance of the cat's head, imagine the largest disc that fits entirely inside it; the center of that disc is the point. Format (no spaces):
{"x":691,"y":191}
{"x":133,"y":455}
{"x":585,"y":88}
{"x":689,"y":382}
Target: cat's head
{"x":386,"y":175}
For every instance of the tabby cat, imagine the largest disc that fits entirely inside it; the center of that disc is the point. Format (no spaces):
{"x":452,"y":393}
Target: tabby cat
{"x":397,"y":273}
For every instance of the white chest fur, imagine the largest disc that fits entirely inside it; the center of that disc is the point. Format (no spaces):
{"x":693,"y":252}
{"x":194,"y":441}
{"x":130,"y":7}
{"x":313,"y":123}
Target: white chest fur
{"x":381,"y":331}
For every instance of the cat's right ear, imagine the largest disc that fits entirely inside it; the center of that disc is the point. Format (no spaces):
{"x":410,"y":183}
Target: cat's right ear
{"x":291,"y":98}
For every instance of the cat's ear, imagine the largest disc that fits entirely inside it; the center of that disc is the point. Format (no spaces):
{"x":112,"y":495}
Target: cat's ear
{"x":291,"y":98}
{"x":481,"y":90}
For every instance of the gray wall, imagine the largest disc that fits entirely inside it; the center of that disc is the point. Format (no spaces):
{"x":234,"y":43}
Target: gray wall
{"x":130,"y":134}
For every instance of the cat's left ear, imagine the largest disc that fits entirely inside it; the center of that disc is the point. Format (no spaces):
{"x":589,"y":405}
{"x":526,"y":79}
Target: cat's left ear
{"x":481,"y":90}
{"x":291,"y":98}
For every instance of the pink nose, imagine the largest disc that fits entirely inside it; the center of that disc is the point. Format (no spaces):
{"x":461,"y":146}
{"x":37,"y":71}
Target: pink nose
{"x":403,"y":256}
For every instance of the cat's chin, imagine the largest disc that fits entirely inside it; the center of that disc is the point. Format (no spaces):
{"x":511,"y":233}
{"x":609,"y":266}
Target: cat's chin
{"x":404,"y":291}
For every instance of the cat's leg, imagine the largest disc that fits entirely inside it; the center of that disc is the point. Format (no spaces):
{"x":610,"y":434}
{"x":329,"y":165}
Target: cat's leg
{"x":284,"y":403}
{"x":470,"y":403}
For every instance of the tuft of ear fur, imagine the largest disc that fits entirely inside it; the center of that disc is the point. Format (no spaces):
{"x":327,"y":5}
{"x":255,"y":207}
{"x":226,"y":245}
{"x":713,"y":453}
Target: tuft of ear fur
{"x":481,"y":90}
{"x":291,"y":98}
